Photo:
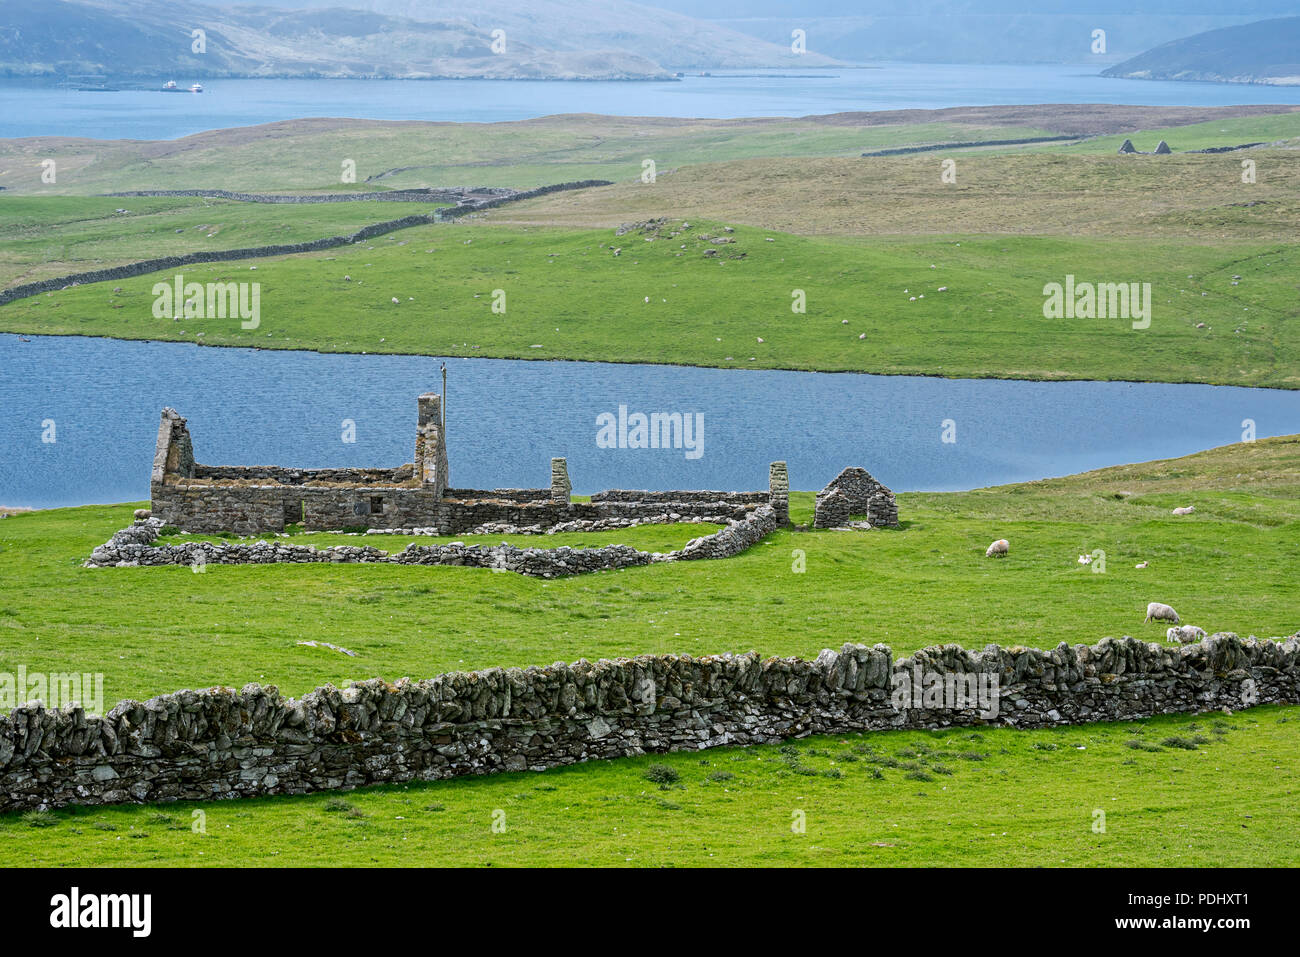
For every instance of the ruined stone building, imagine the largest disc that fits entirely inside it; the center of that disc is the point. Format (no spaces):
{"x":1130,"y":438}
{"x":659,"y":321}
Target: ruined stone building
{"x":254,"y":500}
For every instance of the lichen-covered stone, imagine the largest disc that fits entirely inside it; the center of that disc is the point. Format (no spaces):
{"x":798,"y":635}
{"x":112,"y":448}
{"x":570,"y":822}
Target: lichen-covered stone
{"x":216,"y":743}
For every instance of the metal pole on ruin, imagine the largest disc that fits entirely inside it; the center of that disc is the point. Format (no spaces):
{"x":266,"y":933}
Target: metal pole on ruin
{"x":444,"y":402}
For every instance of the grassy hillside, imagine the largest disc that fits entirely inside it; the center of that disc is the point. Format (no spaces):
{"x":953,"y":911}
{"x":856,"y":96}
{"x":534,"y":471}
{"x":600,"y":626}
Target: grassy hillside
{"x":58,"y":235}
{"x":307,"y":153}
{"x":1201,"y":791}
{"x":1198,"y":197}
{"x":662,"y":299}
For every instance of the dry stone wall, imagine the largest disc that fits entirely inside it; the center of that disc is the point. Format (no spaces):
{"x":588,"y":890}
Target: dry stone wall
{"x":222,"y":743}
{"x":693,"y":496}
{"x":832,"y":509}
{"x":217,"y":255}
{"x":136,"y":546}
{"x":256,"y":509}
{"x":451,"y":194}
{"x":468,"y":200}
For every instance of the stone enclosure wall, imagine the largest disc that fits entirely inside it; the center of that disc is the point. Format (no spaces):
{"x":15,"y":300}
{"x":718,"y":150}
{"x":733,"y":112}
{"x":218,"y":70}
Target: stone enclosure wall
{"x":134,"y":546}
{"x":467,"y":199}
{"x":222,"y":743}
{"x":217,"y":255}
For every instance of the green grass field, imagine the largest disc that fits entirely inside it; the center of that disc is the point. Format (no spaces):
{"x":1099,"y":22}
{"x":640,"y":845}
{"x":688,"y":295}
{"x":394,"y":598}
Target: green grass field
{"x":57,"y":235}
{"x":959,"y":797}
{"x":1229,"y":567}
{"x":568,"y":296}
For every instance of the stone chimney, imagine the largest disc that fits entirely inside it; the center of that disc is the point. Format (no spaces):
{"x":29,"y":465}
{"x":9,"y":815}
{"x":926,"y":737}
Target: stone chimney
{"x":561,"y":489}
{"x":431,"y":444}
{"x":173,"y":453}
{"x":778,"y":486}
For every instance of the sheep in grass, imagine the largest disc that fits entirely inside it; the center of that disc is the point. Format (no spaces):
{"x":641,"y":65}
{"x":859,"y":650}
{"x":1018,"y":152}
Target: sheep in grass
{"x":1000,"y":547}
{"x":1160,"y":612}
{"x":141,"y":514}
{"x":1185,"y":634}
{"x":1185,"y":510}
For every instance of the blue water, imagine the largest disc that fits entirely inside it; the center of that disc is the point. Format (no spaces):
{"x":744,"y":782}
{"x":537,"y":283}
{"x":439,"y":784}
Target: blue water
{"x":26,"y":110}
{"x":506,"y":418}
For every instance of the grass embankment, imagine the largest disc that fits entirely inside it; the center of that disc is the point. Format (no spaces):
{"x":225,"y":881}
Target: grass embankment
{"x":582,"y":294}
{"x":50,"y":236}
{"x":1197,"y":791}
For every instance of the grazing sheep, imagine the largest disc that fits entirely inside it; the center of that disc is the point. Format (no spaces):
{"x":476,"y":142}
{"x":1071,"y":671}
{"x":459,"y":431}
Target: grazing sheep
{"x":1000,"y":547}
{"x":1185,"y":510}
{"x":142,"y":513}
{"x":1161,"y":612}
{"x":1185,"y":634}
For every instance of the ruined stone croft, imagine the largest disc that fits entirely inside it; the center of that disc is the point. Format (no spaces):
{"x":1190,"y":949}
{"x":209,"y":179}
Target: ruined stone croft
{"x":255,"y":500}
{"x":260,"y":500}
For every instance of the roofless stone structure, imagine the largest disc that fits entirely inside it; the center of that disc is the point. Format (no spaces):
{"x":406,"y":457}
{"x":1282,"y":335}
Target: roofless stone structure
{"x":254,"y":500}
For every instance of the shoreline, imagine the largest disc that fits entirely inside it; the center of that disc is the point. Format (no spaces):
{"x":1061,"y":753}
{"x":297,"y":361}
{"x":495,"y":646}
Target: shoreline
{"x":639,"y":362}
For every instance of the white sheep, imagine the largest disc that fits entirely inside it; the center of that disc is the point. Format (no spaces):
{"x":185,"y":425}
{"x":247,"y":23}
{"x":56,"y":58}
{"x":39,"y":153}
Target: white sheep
{"x":1185,"y":510}
{"x":1159,"y":611}
{"x":1000,"y":547}
{"x":1185,"y":634}
{"x":142,"y":513}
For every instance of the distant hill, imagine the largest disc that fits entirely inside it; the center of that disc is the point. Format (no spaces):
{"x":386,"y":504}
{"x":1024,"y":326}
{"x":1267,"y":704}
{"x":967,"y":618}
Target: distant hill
{"x":1264,"y":52}
{"x":553,"y":39}
{"x":677,"y":41}
{"x":858,"y":31}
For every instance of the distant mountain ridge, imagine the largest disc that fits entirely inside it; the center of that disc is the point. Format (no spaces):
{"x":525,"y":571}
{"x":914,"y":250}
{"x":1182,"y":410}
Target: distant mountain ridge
{"x":1267,"y":51}
{"x":553,"y":39}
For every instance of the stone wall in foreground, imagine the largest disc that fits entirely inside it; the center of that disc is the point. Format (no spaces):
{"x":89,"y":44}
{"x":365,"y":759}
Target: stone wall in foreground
{"x":222,"y":743}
